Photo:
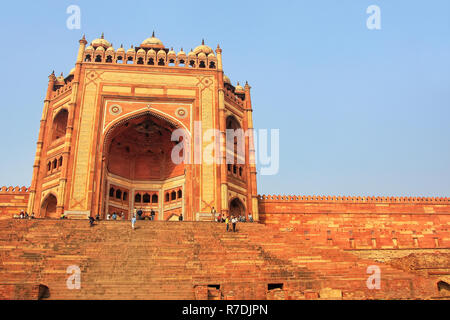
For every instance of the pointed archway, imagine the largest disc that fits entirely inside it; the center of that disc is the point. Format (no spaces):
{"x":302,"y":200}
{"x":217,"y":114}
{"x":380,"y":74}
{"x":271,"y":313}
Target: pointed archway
{"x":237,"y":208}
{"x":138,"y":162}
{"x":48,"y":209}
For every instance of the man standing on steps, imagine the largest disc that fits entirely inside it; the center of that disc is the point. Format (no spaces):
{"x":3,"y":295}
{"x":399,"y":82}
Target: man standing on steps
{"x":213,"y":213}
{"x":133,"y":222}
{"x":234,"y":222}
{"x":227,"y":221}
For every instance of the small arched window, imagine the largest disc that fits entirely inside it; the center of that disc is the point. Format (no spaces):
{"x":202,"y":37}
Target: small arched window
{"x":125,"y":196}
{"x":167,"y":197}
{"x":118,"y":194}
{"x":119,"y":59}
{"x":60,"y":124}
{"x":240,"y":171}
{"x":111,"y":192}
{"x":151,"y":62}
{"x":88,"y":58}
{"x":146,"y":198}
{"x":140,"y":61}
{"x":234,"y":169}
{"x":60,"y":161}
{"x":180,"y":194}
{"x":173,"y":196}
{"x":49,"y":166}
{"x":55,"y":164}
{"x":161,"y":62}
{"x":98,"y":58}
{"x":212,"y":65}
{"x":109,"y":59}
{"x":138,"y":198}
{"x":155,"y":198}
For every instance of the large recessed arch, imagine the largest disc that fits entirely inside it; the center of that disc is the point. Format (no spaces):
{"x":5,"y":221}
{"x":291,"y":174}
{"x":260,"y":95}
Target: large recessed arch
{"x":137,"y":151}
{"x":237,"y":207}
{"x":48,"y":207}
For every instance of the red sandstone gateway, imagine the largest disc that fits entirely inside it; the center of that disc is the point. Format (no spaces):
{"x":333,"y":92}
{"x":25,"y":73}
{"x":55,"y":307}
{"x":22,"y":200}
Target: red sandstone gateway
{"x":105,"y":147}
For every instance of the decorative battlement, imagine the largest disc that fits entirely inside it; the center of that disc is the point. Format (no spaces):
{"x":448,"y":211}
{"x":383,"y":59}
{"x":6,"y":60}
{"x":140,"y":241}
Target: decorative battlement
{"x":62,"y":86}
{"x":150,"y":53}
{"x":9,"y":190}
{"x":341,"y":199}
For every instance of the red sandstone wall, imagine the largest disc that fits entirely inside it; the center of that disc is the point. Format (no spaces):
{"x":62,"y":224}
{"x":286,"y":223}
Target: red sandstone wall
{"x":362,"y":223}
{"x":12,"y":200}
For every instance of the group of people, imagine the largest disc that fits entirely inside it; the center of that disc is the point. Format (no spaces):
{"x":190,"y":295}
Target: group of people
{"x":114,"y":216}
{"x":24,"y":215}
{"x":231,"y":221}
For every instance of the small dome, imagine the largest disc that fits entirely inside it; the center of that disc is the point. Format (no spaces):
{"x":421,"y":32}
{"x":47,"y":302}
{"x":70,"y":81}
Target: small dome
{"x":181,"y":53}
{"x":101,"y":42}
{"x":151,"y":52}
{"x":211,"y":56}
{"x":131,"y":50}
{"x":203,"y":48}
{"x":110,"y":49}
{"x":72,"y":71}
{"x":141,"y":51}
{"x":161,"y":53}
{"x":239,"y":88}
{"x":100,"y":49}
{"x":191,"y":54}
{"x":90,"y":48}
{"x":152,"y":42}
{"x":202,"y":55}
{"x":171,"y":52}
{"x":226,"y":79}
{"x":121,"y":49}
{"x":60,"y":79}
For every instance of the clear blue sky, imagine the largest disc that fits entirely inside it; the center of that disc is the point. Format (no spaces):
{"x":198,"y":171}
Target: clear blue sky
{"x":360,"y":112}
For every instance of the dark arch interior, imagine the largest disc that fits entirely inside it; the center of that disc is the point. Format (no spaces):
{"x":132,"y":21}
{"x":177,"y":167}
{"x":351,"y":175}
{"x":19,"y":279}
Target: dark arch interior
{"x":237,"y":208}
{"x":141,"y":149}
{"x":60,"y":125}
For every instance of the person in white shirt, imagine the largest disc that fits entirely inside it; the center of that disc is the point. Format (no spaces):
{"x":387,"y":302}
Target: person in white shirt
{"x":234,"y":222}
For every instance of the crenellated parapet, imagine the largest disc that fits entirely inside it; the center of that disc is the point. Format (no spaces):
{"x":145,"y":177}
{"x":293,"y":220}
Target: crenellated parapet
{"x":151,"y":53}
{"x":347,"y":199}
{"x":62,"y":85}
{"x":11,"y":190}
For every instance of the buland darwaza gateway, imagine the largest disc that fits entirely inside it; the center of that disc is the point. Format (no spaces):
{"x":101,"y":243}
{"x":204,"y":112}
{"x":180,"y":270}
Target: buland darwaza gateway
{"x":105,"y":138}
{"x":105,"y":145}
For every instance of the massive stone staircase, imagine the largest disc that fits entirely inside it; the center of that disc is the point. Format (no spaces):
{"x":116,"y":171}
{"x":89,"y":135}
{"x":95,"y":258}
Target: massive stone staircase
{"x":186,"y":260}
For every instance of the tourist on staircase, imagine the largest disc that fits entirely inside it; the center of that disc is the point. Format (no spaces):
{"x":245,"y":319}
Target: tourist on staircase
{"x":227,"y":221}
{"x":213,"y":213}
{"x":152,"y":215}
{"x":133,"y":222}
{"x":91,"y":221}
{"x":234,"y":221}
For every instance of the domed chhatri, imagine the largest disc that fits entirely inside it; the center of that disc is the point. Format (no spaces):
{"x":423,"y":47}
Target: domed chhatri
{"x":226,"y":79}
{"x":239,"y":88}
{"x":152,"y":42}
{"x":203,"y":49}
{"x":101,"y":42}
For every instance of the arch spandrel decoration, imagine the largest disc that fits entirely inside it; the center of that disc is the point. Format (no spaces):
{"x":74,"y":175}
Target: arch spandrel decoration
{"x":109,"y":128}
